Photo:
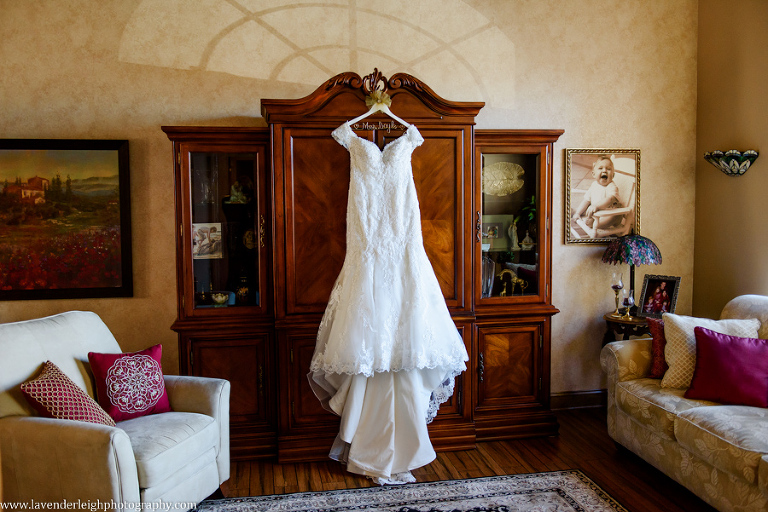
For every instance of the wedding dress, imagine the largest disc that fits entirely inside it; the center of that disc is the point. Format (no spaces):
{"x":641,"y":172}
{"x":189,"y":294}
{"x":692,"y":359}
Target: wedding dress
{"x":387,"y":350}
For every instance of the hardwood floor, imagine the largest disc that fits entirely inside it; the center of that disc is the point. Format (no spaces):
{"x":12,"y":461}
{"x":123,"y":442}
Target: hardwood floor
{"x":583,"y":444}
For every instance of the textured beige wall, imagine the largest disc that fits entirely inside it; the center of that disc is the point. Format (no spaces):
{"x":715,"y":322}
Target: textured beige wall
{"x":731,"y":232}
{"x":612,"y":73}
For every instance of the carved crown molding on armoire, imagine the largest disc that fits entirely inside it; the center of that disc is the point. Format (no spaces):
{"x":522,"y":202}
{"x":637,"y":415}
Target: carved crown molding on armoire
{"x":302,"y":175}
{"x":332,"y":102}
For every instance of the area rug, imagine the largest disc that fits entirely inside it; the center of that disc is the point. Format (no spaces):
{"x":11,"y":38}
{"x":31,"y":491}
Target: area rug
{"x":560,"y":491}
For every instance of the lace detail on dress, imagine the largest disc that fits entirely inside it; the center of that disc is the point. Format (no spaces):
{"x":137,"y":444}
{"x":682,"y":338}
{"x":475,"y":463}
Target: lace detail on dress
{"x":442,"y":394}
{"x":343,"y":134}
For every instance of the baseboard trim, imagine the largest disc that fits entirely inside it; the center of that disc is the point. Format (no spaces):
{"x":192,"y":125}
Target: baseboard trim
{"x":578,"y":399}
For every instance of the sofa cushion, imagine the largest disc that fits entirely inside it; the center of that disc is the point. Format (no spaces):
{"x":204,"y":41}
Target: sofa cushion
{"x":680,"y":351}
{"x":732,"y":438}
{"x":164,"y":444}
{"x":130,"y":385}
{"x":652,"y":406}
{"x":54,"y":395}
{"x":730,"y":369}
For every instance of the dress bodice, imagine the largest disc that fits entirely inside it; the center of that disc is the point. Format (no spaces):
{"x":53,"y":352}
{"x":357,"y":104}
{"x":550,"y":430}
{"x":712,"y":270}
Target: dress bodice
{"x":383,"y":209}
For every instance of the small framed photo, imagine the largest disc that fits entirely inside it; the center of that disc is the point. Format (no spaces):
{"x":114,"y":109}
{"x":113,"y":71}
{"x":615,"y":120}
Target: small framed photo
{"x":493,"y":230}
{"x":206,"y":241}
{"x":65,"y":219}
{"x":602,"y":194}
{"x":659,"y":295}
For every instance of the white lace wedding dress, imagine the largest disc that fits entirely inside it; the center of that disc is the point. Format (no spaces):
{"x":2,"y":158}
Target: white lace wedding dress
{"x":387,"y":350}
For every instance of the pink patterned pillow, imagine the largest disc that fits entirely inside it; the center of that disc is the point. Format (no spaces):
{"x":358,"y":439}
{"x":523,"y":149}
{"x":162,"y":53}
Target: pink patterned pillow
{"x":730,"y":369}
{"x":54,"y":395}
{"x":130,"y":385}
{"x":658,"y":363}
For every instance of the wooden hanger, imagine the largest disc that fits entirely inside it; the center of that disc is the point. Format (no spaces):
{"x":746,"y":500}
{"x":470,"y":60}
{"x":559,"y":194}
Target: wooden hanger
{"x":379,"y":102}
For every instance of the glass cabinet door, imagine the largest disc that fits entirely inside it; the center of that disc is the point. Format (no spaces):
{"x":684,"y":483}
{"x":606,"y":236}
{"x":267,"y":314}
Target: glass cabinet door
{"x":507,"y":223}
{"x":227,"y":231}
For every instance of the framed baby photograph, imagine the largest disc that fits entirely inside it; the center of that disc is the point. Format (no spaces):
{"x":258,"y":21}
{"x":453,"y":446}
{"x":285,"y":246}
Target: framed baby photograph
{"x":659,"y":296}
{"x":602,"y":194}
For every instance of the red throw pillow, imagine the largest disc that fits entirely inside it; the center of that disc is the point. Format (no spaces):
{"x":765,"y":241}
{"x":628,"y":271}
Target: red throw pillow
{"x":130,"y":385}
{"x":658,"y":363}
{"x":730,"y":369}
{"x":54,"y":395}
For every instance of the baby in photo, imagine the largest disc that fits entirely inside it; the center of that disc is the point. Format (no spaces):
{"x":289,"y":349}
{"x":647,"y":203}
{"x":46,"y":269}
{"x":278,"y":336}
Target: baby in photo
{"x":602,"y":194}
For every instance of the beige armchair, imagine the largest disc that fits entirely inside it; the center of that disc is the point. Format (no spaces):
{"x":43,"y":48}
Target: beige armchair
{"x":173,"y":457}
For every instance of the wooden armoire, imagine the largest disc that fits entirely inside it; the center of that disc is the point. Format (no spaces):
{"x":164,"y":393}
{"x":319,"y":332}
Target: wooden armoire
{"x":261,"y":216}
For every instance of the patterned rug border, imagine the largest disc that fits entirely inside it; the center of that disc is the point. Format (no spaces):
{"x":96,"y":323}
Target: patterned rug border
{"x":210,"y":505}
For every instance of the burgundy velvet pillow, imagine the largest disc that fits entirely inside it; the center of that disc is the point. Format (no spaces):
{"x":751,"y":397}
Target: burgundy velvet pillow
{"x":130,"y":385}
{"x":730,"y":369}
{"x":658,"y":363}
{"x":54,"y":395}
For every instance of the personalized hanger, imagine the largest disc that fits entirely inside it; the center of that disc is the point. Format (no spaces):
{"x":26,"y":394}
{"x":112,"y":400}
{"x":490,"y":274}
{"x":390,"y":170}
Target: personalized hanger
{"x":379,"y":102}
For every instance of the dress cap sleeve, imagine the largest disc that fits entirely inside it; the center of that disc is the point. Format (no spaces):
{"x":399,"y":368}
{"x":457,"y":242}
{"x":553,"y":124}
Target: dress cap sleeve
{"x":414,"y":136}
{"x":343,"y":135}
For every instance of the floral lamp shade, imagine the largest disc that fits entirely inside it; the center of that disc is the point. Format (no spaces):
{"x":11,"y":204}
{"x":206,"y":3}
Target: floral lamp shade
{"x":632,"y":249}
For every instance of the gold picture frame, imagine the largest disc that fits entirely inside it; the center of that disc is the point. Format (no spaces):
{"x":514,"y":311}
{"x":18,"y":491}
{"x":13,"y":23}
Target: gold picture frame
{"x":599,"y":206}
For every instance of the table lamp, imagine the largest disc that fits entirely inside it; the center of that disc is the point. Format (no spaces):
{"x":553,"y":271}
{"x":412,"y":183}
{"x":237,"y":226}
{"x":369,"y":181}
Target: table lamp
{"x":635,"y":250}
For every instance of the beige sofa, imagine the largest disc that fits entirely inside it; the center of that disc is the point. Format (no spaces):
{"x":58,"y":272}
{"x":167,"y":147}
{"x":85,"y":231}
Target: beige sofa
{"x":719,"y":452}
{"x":178,"y":457}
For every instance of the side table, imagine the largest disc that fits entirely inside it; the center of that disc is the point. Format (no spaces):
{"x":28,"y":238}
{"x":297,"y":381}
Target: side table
{"x":624,"y":327}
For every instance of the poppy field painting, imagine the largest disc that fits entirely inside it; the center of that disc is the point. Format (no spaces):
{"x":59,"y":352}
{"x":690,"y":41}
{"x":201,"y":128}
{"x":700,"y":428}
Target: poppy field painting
{"x":65,"y":223}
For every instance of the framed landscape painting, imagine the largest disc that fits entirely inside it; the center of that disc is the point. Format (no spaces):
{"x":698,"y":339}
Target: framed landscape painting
{"x":65,"y":221}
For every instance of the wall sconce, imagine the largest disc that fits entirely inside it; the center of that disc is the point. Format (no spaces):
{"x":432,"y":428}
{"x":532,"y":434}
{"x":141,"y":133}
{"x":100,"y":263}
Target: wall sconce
{"x":732,"y":162}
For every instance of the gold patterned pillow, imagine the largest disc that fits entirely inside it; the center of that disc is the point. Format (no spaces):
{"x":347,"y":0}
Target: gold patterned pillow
{"x":54,"y":395}
{"x":680,"y":351}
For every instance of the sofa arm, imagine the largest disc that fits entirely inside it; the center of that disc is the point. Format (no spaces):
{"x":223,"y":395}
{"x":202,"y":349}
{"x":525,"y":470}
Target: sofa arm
{"x":209,"y":396}
{"x":623,"y":360}
{"x":51,"y":460}
{"x":627,"y":359}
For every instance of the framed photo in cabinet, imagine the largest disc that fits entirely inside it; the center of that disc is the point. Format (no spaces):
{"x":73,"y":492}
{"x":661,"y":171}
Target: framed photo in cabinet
{"x":206,"y":241}
{"x":602,"y":195}
{"x":65,"y":219}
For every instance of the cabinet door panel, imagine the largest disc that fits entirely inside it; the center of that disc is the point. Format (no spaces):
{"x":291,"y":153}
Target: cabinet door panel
{"x":246,"y":364}
{"x":438,"y":171}
{"x":512,"y":225}
{"x":434,"y":174}
{"x":305,"y":408}
{"x":316,"y":189}
{"x":223,"y":225}
{"x":509,"y":365}
{"x":454,"y":407}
